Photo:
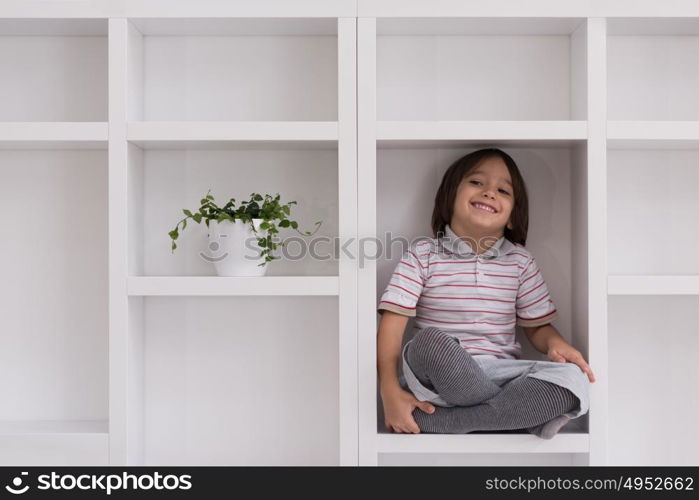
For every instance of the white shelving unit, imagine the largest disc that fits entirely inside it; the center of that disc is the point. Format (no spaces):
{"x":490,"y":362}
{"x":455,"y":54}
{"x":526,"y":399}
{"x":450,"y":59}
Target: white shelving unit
{"x":116,"y":115}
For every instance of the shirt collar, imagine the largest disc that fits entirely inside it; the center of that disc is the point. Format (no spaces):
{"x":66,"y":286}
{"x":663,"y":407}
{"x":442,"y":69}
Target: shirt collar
{"x":459,"y":246}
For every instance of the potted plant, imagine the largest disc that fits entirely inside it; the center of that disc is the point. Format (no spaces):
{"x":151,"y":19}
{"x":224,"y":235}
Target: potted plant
{"x":230,"y":227}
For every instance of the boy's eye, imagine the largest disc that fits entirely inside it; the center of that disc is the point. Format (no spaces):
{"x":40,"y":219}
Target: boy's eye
{"x":501,"y":190}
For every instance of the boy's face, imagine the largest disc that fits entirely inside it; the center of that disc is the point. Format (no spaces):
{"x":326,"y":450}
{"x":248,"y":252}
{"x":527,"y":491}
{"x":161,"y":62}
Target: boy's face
{"x":488,"y":183}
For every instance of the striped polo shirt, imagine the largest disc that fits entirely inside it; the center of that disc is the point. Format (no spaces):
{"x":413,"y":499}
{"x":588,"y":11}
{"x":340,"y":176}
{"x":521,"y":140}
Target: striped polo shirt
{"x":479,"y":299}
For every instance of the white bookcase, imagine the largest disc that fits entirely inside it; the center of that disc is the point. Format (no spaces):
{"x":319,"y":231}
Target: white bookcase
{"x":116,"y":115}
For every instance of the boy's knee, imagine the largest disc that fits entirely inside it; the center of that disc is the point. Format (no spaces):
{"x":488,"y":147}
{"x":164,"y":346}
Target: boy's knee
{"x":432,"y":336}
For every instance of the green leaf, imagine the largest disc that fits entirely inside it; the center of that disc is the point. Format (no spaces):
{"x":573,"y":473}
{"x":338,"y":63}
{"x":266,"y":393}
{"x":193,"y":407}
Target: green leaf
{"x":197,"y":218}
{"x":173,"y":234}
{"x":284,"y":223}
{"x":187,"y":212}
{"x":294,"y":224}
{"x":174,"y":245}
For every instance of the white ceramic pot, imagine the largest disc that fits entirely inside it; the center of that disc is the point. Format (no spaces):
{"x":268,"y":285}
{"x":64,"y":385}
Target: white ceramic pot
{"x":228,"y":251}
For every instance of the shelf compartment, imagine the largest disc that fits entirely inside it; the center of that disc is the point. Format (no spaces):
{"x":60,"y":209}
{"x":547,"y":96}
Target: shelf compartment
{"x":430,"y":69}
{"x":241,"y":135}
{"x":652,"y":347}
{"x":653,"y":285}
{"x":56,"y":265}
{"x":653,"y":135}
{"x":231,"y":69}
{"x":227,"y":286}
{"x":53,"y":135}
{"x":163,"y":182}
{"x":54,"y":70}
{"x":653,"y":68}
{"x":201,"y":365}
{"x":652,"y":206}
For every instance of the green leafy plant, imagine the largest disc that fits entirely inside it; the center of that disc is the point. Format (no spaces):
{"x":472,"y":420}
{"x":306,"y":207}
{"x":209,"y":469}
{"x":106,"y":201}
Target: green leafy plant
{"x":267,"y":208}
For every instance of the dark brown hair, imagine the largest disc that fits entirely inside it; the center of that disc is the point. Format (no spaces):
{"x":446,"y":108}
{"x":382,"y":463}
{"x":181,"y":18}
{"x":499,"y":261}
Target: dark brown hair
{"x":446,"y":194}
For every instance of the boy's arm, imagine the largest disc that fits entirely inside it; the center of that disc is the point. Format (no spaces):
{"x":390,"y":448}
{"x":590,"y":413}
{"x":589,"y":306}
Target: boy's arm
{"x":541,"y":335}
{"x":546,"y":339}
{"x":388,"y":346}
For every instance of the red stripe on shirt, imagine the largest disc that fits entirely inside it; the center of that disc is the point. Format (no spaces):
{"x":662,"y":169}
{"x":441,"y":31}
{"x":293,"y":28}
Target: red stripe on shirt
{"x":545,"y":296}
{"x":407,"y":278}
{"x":404,"y":289}
{"x":396,"y":304}
{"x":538,"y":271}
{"x":501,"y":351}
{"x":454,"y":262}
{"x":468,"y":322}
{"x":530,"y":291}
{"x":465,"y":310}
{"x":501,"y":275}
{"x":467,"y":298}
{"x":408,"y":264}
{"x":418,"y":260}
{"x":473,"y":286}
{"x":451,"y":274}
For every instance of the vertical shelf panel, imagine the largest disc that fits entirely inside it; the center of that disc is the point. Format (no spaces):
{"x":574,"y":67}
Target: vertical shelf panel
{"x":347,"y":206}
{"x":366,"y":229}
{"x":595,"y":286}
{"x":124,"y":411}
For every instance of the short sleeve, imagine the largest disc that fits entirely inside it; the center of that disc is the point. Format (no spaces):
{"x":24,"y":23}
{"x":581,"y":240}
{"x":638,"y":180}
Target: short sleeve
{"x":534,"y":304}
{"x":406,"y":283}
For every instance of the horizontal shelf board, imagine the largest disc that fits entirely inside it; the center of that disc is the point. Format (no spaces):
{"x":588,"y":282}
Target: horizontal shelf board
{"x":397,"y":133}
{"x":237,"y":286}
{"x":653,"y":134}
{"x":13,"y":427}
{"x":159,"y":135}
{"x":653,"y":285}
{"x":652,"y":26}
{"x":236,"y":26}
{"x":482,"y":443}
{"x":477,"y":26}
{"x":218,"y":8}
{"x":53,"y":27}
{"x":54,"y":135}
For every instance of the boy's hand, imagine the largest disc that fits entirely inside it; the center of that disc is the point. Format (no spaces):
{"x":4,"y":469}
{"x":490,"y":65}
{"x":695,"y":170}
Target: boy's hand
{"x":561,"y":351}
{"x":398,"y":408}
